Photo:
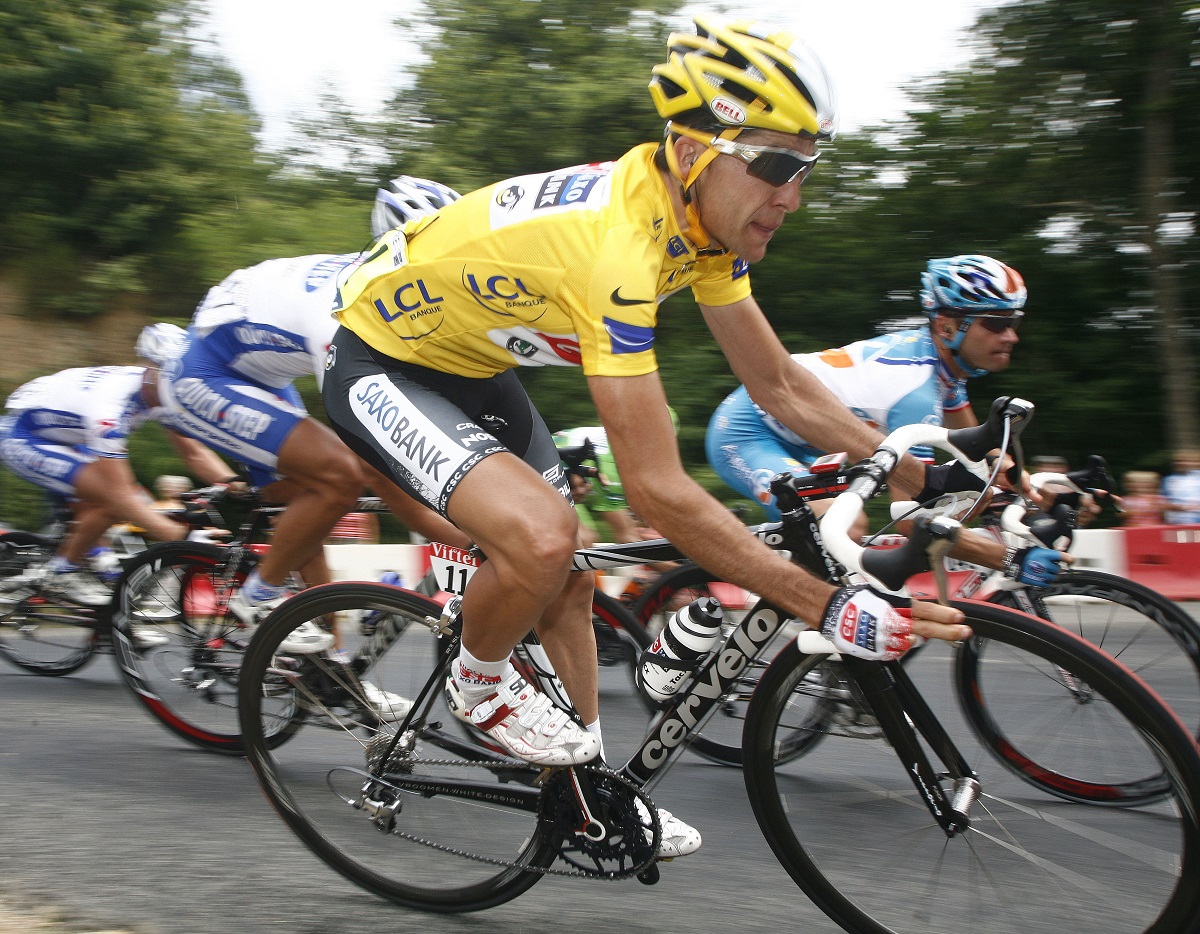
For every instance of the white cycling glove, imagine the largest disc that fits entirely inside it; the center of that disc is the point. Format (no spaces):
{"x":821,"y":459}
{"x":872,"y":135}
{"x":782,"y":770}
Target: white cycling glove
{"x":208,"y":536}
{"x":862,"y":622}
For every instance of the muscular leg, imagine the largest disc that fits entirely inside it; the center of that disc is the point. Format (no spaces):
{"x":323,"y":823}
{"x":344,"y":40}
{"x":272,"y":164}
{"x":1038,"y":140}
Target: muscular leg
{"x":528,"y":532}
{"x":90,"y":523}
{"x":567,"y":635}
{"x":416,"y":515}
{"x":327,"y":481}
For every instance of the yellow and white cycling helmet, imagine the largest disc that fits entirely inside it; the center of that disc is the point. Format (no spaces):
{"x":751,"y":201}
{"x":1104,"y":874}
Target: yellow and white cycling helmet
{"x":738,"y":76}
{"x":731,"y":77}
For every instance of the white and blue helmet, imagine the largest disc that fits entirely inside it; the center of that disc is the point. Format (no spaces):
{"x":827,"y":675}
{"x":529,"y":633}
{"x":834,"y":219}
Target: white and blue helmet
{"x":161,"y":342}
{"x":970,"y":283}
{"x":405,"y":199}
{"x":967,"y":287}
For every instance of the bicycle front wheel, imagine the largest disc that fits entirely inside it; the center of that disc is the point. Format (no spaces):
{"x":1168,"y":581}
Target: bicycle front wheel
{"x":427,"y":819}
{"x":178,"y":648}
{"x":39,"y":632}
{"x":850,"y":826}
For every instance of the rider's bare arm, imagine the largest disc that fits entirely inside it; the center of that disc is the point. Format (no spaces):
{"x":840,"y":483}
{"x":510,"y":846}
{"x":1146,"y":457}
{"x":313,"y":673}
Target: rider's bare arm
{"x":109,"y":482}
{"x":634,"y":411}
{"x":791,"y":393}
{"x":202,"y":461}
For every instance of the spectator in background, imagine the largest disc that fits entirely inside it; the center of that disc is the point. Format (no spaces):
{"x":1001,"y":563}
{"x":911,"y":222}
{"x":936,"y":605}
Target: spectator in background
{"x":1049,"y":463}
{"x":1181,"y":489}
{"x":1142,"y":503}
{"x":355,"y":528}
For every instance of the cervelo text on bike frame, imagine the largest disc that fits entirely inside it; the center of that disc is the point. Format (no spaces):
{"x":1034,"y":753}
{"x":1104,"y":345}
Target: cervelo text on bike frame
{"x":715,"y":678}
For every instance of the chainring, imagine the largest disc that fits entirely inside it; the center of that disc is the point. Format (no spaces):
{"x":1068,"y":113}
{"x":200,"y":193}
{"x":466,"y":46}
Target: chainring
{"x":631,"y":834}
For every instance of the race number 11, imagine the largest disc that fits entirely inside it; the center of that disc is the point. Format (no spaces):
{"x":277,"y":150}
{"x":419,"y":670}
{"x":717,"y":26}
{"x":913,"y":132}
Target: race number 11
{"x":452,"y":567}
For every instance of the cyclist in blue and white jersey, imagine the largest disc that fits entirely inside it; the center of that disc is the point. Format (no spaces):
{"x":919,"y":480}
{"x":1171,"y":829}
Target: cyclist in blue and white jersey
{"x":974,"y":304}
{"x":231,"y":386}
{"x":68,"y":433}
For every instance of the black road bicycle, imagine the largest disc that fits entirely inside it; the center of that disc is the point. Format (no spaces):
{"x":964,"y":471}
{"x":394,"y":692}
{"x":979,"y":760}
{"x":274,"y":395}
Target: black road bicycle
{"x":415,"y":814}
{"x":1148,"y":632}
{"x":41,"y":631}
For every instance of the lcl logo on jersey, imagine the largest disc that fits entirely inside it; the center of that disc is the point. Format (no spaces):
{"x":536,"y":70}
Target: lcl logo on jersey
{"x":504,"y":295}
{"x":422,"y":310}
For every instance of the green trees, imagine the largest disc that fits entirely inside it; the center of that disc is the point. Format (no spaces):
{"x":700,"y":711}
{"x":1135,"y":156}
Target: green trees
{"x":1067,"y":147}
{"x":114,"y":129}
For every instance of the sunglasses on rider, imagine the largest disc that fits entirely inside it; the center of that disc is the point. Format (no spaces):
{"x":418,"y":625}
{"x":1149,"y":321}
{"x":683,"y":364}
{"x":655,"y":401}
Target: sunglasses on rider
{"x":998,"y":324}
{"x":774,"y":165}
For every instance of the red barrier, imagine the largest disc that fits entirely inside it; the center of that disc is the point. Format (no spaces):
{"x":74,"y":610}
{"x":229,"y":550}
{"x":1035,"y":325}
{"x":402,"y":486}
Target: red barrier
{"x":1165,"y":558}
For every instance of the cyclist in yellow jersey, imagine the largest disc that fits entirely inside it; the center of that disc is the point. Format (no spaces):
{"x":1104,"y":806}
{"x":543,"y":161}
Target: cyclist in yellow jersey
{"x":568,"y":268}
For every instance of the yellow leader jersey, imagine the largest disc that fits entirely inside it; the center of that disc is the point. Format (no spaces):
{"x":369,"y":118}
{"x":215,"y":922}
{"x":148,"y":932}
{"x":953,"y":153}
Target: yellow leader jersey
{"x":561,"y":269}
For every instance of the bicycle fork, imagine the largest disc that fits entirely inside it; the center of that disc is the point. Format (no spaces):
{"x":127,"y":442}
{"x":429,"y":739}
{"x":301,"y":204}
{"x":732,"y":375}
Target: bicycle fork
{"x":905,"y":718}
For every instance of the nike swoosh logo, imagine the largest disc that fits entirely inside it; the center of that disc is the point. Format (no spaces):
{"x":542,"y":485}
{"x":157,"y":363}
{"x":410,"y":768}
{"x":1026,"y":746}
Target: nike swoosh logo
{"x":617,"y":299}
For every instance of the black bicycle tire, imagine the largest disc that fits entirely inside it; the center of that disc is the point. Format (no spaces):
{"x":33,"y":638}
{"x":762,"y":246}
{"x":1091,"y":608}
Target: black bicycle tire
{"x":1083,"y":583}
{"x":75,"y":657}
{"x":1134,"y":701}
{"x":506,"y":885}
{"x":130,"y":660}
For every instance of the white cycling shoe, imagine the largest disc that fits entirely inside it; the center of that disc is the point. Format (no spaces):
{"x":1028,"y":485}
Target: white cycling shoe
{"x":388,"y":707}
{"x":678,"y":838}
{"x":527,"y":725}
{"x":305,"y":639}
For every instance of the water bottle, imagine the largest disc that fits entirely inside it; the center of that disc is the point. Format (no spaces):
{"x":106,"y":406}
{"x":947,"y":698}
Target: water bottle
{"x":688,"y":636}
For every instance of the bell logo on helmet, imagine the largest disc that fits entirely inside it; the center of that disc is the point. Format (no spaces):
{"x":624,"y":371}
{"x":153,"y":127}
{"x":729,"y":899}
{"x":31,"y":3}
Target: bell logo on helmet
{"x":728,"y":111}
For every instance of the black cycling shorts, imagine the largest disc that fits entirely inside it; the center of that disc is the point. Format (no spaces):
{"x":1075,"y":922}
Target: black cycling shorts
{"x":426,"y":429}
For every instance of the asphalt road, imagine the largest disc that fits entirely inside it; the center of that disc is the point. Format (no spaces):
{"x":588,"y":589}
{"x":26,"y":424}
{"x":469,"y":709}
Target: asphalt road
{"x":110,"y":823}
{"x":114,"y":823}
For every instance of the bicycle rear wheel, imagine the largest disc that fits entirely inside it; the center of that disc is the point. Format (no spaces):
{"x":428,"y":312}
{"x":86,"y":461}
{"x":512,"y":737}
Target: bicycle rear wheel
{"x":41,"y":633}
{"x":435,"y":822}
{"x":850,"y":827}
{"x":180,"y":651}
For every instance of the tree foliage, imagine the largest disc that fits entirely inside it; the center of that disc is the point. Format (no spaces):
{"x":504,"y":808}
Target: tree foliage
{"x":515,"y":86}
{"x":1067,"y":147}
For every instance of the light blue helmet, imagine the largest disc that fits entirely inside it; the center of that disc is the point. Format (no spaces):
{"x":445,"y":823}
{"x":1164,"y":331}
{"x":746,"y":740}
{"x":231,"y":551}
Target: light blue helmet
{"x":966,"y":287}
{"x":970,"y":283}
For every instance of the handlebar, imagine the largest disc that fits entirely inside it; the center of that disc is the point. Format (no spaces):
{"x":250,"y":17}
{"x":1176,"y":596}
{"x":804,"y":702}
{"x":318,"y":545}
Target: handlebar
{"x":1006,"y":420}
{"x":1054,"y":526}
{"x":573,"y":459}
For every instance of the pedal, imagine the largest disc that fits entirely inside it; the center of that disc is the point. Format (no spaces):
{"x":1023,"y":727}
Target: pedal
{"x":650,"y":875}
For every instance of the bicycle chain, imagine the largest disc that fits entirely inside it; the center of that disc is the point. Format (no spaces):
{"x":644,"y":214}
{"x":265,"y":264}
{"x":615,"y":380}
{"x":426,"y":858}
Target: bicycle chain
{"x":520,"y":765}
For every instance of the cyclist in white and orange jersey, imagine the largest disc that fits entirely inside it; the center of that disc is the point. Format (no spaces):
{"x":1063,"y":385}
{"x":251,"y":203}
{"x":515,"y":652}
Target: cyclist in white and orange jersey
{"x":917,"y":376}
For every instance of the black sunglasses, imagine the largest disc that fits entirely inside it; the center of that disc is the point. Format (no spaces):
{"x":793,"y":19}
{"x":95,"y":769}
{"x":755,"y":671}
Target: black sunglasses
{"x":998,"y":324}
{"x":775,"y":166}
